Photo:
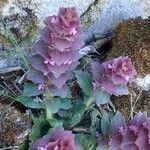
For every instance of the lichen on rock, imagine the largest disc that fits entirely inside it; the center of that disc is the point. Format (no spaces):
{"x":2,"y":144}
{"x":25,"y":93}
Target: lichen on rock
{"x":20,"y":19}
{"x":92,"y":13}
{"x":19,"y":26}
{"x":132,"y":38}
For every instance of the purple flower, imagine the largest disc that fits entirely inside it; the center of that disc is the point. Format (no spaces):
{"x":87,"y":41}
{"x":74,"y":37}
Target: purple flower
{"x":57,"y":52}
{"x":135,"y":135}
{"x":68,"y":17}
{"x":112,"y":76}
{"x":60,"y":139}
{"x":120,"y":70}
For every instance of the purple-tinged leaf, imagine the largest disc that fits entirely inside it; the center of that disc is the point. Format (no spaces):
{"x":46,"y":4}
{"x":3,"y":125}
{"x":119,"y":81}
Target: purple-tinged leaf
{"x":97,"y":71}
{"x":118,"y":121}
{"x":60,"y":81}
{"x":63,"y":92}
{"x":42,"y":48}
{"x":139,"y":119}
{"x":141,"y":141}
{"x":58,"y":70}
{"x":101,"y":97}
{"x":62,"y":44}
{"x":64,"y":57}
{"x":37,"y":62}
{"x":46,"y":35}
{"x":36,"y":76}
{"x":121,"y":90}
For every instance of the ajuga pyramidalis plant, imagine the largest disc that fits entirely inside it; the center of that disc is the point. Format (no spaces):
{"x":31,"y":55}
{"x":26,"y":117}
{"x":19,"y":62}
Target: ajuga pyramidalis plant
{"x":57,"y":52}
{"x":112,"y":76}
{"x":133,"y":136}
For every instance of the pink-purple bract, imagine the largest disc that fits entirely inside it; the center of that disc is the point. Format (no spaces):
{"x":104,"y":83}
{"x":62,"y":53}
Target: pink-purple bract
{"x":134,"y":136}
{"x":60,"y":139}
{"x":57,"y":52}
{"x":113,"y":76}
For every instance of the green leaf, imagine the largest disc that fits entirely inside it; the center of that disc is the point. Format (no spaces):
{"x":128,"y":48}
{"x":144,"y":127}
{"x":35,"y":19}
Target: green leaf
{"x":24,"y":145}
{"x":88,"y":100}
{"x":102,"y":97}
{"x":103,"y":146}
{"x":39,"y":128}
{"x":87,"y":142}
{"x":28,"y":102}
{"x":31,"y":89}
{"x":95,"y":121}
{"x":64,"y":103}
{"x":84,"y":62}
{"x":57,"y":103}
{"x":56,"y":123}
{"x":75,"y":114}
{"x":105,"y":125}
{"x":84,"y":79}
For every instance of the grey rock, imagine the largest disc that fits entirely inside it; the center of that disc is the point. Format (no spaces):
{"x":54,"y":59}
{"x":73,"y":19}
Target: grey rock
{"x":92,"y":13}
{"x":114,"y":12}
{"x":5,"y":63}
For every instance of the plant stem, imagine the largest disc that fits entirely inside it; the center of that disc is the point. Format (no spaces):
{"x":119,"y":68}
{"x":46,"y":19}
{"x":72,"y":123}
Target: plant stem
{"x":133,"y":105}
